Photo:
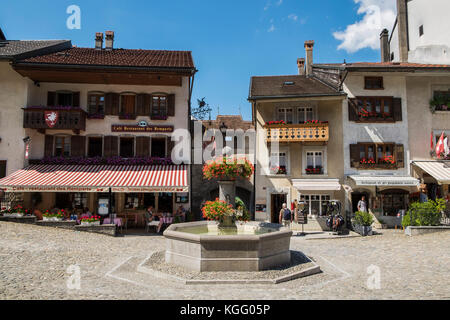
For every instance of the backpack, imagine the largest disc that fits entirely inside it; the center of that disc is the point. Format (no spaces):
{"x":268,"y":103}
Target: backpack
{"x":287,"y":214}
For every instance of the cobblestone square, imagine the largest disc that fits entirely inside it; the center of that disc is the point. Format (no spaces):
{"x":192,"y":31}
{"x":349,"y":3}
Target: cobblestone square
{"x":34,"y":264}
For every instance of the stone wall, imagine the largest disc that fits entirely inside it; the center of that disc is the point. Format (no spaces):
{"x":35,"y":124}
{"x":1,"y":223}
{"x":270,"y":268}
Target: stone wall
{"x":106,"y":229}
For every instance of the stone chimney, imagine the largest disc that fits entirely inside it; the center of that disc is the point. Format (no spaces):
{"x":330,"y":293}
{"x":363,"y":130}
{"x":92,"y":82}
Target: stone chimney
{"x":99,"y":40}
{"x":309,"y":45}
{"x":301,"y":66}
{"x":384,"y":46}
{"x":402,"y":26}
{"x":109,"y":40}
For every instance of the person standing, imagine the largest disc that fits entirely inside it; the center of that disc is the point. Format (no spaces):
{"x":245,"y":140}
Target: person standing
{"x":285,"y":217}
{"x":423,"y":195}
{"x":362,"y":204}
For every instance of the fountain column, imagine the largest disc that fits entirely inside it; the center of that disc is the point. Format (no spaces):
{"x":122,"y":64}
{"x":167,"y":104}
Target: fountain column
{"x":227,"y":191}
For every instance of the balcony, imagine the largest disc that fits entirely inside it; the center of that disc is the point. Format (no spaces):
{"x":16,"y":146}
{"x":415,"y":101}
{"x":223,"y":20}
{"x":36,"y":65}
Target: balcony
{"x":63,"y":118}
{"x":297,"y":132}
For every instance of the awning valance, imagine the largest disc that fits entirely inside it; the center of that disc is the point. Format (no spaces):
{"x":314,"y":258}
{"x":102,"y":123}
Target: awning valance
{"x":385,"y":181}
{"x":439,"y":170}
{"x":97,"y":178}
{"x":316,"y":184}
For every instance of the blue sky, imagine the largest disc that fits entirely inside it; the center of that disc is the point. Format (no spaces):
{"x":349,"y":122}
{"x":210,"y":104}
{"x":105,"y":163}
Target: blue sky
{"x":230,"y":40}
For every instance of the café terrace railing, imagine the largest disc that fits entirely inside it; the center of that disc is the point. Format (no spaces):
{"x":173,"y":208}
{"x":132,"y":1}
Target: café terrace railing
{"x":298,"y":132}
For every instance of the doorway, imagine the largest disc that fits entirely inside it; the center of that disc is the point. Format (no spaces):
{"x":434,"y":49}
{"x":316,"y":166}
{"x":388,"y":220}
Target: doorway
{"x":356,"y":196}
{"x":277,"y":201}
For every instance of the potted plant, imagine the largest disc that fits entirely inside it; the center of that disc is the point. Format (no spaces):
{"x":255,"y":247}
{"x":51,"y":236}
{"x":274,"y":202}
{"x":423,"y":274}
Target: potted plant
{"x":439,"y":103}
{"x":5,"y":212}
{"x":49,"y":216}
{"x":220,"y":211}
{"x":362,"y":223}
{"x":18,"y":211}
{"x":90,"y":221}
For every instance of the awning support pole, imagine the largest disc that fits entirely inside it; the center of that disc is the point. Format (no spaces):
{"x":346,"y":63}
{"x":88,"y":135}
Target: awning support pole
{"x":110,"y":206}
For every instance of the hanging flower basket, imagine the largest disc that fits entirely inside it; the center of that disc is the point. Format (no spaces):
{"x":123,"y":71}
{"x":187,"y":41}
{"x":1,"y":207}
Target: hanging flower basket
{"x":228,"y":169}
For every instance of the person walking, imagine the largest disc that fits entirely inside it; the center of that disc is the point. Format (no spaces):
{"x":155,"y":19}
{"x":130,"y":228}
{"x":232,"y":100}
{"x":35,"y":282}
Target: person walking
{"x":362,"y":204}
{"x":285,"y":217}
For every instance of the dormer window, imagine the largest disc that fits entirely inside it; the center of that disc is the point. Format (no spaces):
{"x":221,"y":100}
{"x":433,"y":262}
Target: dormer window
{"x":289,"y":83}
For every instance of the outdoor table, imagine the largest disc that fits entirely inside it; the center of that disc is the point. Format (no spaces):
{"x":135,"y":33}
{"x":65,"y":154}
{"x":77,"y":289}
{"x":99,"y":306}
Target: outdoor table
{"x":117,"y":221}
{"x":166,"y":220}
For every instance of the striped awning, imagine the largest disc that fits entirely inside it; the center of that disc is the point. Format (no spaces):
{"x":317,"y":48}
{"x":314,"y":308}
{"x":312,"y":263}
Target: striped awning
{"x":316,"y":184}
{"x":439,"y":170}
{"x":97,"y":178}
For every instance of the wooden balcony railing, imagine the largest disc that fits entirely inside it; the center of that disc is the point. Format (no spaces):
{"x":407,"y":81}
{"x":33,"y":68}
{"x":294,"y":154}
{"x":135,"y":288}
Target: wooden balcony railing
{"x":67,"y":119}
{"x":298,"y":133}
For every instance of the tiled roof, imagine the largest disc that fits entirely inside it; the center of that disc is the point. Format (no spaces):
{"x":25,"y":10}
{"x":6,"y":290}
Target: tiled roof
{"x":24,"y":48}
{"x":117,"y":58}
{"x":382,"y":65}
{"x":288,"y":86}
{"x":231,"y":121}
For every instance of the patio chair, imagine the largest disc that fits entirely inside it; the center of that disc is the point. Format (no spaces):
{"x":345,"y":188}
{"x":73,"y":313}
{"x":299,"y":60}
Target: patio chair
{"x":149,"y":223}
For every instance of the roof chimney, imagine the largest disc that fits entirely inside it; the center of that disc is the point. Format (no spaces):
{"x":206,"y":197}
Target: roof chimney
{"x":309,"y":45}
{"x":402,"y":21}
{"x":99,"y":40}
{"x":384,"y":46}
{"x":301,"y":66}
{"x":109,"y":40}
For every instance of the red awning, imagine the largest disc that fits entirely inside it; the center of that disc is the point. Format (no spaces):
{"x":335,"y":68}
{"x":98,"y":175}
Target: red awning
{"x":97,"y":178}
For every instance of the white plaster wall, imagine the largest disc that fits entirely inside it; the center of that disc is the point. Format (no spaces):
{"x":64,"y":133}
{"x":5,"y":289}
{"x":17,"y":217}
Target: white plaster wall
{"x":375,"y":132}
{"x":38,"y":96}
{"x":394,"y":47}
{"x":13,"y":97}
{"x":434,"y":45}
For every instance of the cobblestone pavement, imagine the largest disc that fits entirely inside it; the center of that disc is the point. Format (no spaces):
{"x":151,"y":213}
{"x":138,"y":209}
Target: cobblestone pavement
{"x":34,"y":262}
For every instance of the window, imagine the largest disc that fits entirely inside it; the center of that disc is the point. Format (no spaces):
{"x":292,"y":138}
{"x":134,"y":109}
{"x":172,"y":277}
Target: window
{"x":304,"y":114}
{"x":380,"y":108}
{"x":286,"y":115}
{"x":441,"y":100}
{"x":131,"y":201}
{"x":96,"y":103}
{"x":64,"y":99}
{"x":2,"y":169}
{"x":127,"y":147}
{"x":376,"y":153}
{"x":373,"y":83}
{"x":62,"y":146}
{"x":95,"y":147}
{"x":158,"y":147}
{"x":317,"y":204}
{"x":128,"y":104}
{"x":278,"y":164}
{"x":392,"y":56}
{"x":421,"y":31}
{"x":314,"y":162}
{"x":80,"y":200}
{"x":159,"y":106}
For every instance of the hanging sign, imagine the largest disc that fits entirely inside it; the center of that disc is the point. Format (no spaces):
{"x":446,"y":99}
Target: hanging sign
{"x":51,"y":118}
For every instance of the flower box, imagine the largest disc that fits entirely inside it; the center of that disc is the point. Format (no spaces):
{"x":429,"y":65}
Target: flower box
{"x":85,"y":223}
{"x":313,"y":171}
{"x":96,"y":116}
{"x":159,"y":118}
{"x":363,"y":230}
{"x":54,"y":219}
{"x":127,"y":116}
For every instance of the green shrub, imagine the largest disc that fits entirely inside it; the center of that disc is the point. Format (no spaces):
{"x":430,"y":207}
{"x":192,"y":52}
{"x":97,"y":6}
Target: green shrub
{"x":424,"y":214}
{"x":363,"y":219}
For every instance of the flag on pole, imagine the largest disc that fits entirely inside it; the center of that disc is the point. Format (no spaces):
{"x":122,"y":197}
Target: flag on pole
{"x":440,"y":149}
{"x":432,"y":141}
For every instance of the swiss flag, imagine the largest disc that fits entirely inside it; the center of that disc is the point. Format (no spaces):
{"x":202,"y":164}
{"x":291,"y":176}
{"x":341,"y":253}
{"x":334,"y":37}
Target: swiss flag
{"x":440,"y":147}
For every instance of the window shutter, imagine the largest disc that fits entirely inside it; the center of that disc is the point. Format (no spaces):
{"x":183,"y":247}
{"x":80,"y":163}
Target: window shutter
{"x":400,"y":155}
{"x":353,"y":109}
{"x":78,"y":146}
{"x":110,"y":145}
{"x":108,"y":104}
{"x":171,"y":105}
{"x":115,"y":104}
{"x":142,"y":146}
{"x":48,"y":148}
{"x":170,"y":146}
{"x":76,"y":99}
{"x":397,"y":109}
{"x":148,"y":104}
{"x":51,"y":98}
{"x":354,"y":155}
{"x":140,"y":105}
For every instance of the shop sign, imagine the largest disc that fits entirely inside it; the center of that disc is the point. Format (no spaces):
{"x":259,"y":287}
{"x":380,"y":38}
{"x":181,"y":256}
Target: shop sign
{"x":140,"y":127}
{"x":386,"y":183}
{"x":150,"y":189}
{"x":55,"y":189}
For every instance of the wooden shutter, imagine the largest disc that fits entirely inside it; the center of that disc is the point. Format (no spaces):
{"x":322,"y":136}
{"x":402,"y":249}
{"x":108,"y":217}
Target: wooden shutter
{"x":397,"y":109}
{"x":78,"y":146}
{"x":140,"y":105}
{"x":76,"y":99}
{"x":110,"y":146}
{"x":148,"y":104}
{"x":112,"y":104}
{"x":170,"y":146}
{"x":400,"y":155}
{"x":171,"y":105}
{"x":108,"y":104}
{"x":48,"y":148}
{"x":51,"y":99}
{"x":353,"y":109}
{"x":354,"y":155}
{"x":142,"y":146}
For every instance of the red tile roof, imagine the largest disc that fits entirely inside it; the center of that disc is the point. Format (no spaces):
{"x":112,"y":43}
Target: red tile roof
{"x":117,"y":57}
{"x":383,"y":65}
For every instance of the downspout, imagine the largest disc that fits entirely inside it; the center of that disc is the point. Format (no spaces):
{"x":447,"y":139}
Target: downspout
{"x":254,"y":160}
{"x":191,"y":86}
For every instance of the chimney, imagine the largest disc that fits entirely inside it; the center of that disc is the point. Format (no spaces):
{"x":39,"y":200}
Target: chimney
{"x":402,"y":25}
{"x":384,"y":46}
{"x":109,"y":40}
{"x":99,"y":40}
{"x":301,"y":66}
{"x":309,"y":45}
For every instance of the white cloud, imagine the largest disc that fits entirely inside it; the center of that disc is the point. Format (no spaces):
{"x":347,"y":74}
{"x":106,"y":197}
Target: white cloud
{"x":279,"y":2}
{"x":271,"y":29}
{"x":293,"y":17}
{"x":378,"y":14}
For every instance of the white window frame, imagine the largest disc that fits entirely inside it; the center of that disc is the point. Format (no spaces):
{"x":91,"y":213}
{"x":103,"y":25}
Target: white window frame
{"x":303,"y":109}
{"x":314,"y":149}
{"x":288,"y":164}
{"x":285,"y":113}
{"x":321,"y":199}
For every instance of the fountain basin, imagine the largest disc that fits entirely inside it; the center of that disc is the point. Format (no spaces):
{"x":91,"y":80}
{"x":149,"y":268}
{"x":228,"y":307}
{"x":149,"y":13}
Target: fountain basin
{"x":203,"y":247}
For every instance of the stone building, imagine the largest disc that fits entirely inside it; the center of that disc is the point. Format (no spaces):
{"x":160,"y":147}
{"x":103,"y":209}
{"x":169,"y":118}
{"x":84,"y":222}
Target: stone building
{"x":205,"y":190}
